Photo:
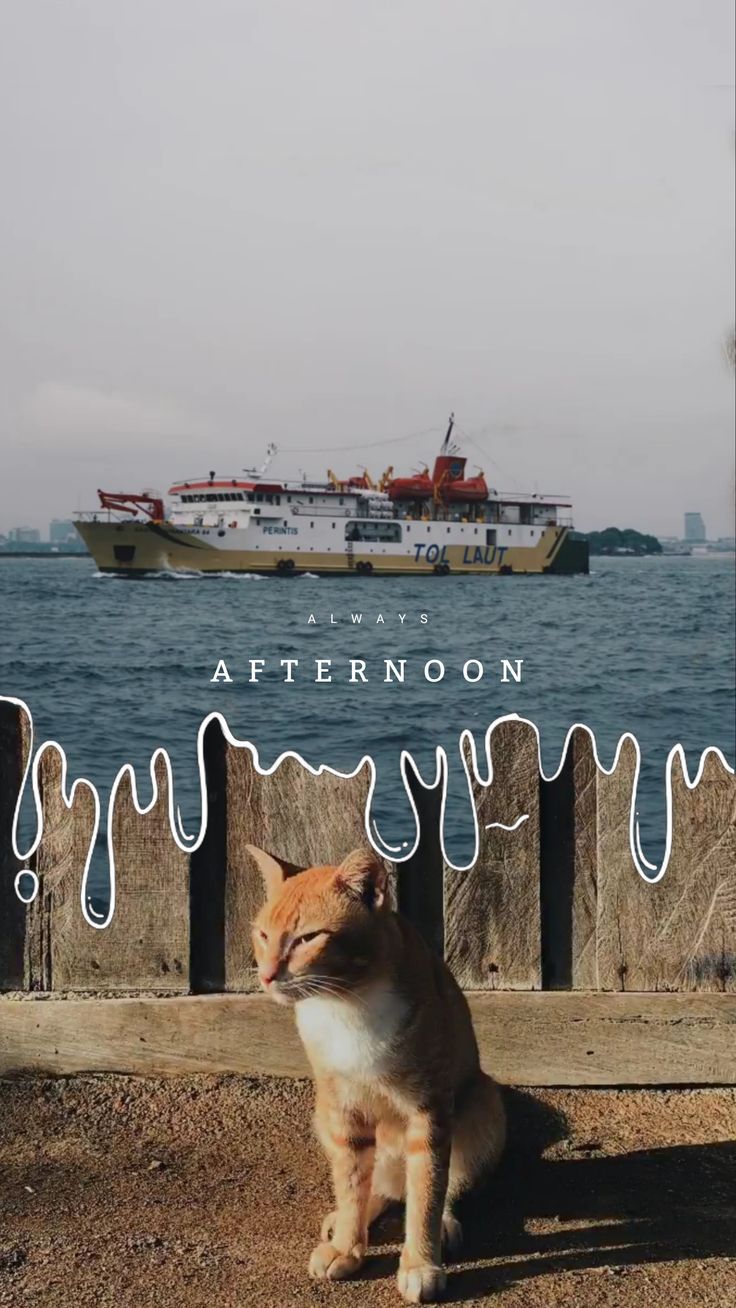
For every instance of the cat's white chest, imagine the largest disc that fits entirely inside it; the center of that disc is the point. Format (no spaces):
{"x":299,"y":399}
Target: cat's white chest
{"x":353,"y":1039}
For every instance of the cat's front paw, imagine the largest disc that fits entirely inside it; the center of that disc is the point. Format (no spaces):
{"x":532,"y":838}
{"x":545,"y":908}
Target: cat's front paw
{"x":328,"y":1264}
{"x":422,"y":1283}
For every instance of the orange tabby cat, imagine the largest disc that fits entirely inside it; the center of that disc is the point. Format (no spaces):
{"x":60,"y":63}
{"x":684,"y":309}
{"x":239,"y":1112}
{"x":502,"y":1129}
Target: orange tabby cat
{"x":403,"y":1108}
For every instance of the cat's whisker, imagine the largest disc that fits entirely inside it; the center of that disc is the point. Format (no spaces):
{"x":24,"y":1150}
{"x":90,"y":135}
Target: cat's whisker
{"x":331,"y":980}
{"x":330,"y":985}
{"x":320,"y":986}
{"x":302,"y":988}
{"x":326,"y":986}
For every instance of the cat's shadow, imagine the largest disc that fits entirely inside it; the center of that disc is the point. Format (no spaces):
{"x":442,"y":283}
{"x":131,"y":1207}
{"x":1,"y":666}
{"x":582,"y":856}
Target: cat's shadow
{"x":647,"y":1206}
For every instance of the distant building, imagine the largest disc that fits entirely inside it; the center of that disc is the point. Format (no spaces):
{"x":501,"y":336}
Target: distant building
{"x":24,"y":536}
{"x":62,"y":532}
{"x":673,"y":545}
{"x":694,"y":528}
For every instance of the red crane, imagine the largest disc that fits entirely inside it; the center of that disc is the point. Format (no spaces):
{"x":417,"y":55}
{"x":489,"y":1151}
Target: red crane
{"x":118,"y":502}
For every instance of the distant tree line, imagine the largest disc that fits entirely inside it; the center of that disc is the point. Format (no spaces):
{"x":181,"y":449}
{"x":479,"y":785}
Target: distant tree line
{"x":617,"y":540}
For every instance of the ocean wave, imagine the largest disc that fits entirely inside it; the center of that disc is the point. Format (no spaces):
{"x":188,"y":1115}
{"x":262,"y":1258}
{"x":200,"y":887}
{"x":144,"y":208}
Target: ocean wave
{"x":236,"y":576}
{"x":183,"y":574}
{"x":113,"y":674}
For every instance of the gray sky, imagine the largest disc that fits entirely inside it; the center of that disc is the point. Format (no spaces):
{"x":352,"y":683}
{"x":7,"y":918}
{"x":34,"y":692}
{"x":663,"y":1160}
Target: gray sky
{"x":226,"y":222}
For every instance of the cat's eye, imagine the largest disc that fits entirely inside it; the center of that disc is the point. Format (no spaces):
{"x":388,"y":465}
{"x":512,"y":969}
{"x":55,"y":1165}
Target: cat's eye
{"x":307,"y":936}
{"x":263,"y":935}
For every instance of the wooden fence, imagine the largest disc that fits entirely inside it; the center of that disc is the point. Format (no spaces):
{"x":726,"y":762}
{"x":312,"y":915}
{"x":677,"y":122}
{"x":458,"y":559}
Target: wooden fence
{"x":577,"y":970}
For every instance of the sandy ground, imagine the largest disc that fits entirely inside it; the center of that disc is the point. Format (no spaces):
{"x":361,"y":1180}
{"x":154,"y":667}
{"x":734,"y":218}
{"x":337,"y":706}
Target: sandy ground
{"x":208,"y":1193}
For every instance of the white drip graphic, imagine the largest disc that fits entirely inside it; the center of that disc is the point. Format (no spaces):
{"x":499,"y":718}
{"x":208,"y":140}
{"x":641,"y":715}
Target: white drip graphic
{"x":506,"y":826}
{"x":467,"y":749}
{"x":26,"y":872}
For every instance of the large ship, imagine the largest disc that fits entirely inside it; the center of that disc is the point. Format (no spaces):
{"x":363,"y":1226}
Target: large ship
{"x":437,"y":522}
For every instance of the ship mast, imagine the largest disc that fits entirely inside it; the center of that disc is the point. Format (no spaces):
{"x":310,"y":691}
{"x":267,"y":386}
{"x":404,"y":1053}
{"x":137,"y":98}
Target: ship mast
{"x":446,"y":442}
{"x":259,"y":473}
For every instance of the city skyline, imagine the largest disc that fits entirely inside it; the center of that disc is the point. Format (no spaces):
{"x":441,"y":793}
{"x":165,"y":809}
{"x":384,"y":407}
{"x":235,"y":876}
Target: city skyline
{"x":61,"y":531}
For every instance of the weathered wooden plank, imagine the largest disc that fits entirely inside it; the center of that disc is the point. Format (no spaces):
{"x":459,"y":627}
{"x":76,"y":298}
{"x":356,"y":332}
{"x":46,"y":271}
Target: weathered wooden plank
{"x":535,"y":1038}
{"x":492,"y":911}
{"x":55,"y":915}
{"x":617,"y":874}
{"x":146,"y":946}
{"x":583,"y":974}
{"x":582,"y":1038}
{"x":14,"y":746}
{"x":302,"y":818}
{"x":702,"y":934}
{"x":680,"y":932}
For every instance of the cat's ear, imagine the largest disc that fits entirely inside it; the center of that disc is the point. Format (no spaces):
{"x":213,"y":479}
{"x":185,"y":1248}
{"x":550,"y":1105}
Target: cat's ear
{"x":363,"y":874}
{"x":274,"y":871}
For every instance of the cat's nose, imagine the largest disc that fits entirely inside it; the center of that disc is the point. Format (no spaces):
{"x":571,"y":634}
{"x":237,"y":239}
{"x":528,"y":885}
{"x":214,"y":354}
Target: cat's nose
{"x":269,"y":973}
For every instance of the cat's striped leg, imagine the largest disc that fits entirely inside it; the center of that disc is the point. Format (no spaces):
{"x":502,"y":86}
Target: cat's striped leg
{"x":389,"y":1177}
{"x":421,"y":1277}
{"x":350,"y":1146}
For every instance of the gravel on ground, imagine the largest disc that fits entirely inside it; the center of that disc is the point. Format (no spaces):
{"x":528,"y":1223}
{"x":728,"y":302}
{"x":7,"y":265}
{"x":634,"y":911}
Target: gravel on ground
{"x":208,"y":1192}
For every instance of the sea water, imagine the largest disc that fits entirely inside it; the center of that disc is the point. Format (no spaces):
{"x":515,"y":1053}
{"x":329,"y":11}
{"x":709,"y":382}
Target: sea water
{"x":112,"y":669}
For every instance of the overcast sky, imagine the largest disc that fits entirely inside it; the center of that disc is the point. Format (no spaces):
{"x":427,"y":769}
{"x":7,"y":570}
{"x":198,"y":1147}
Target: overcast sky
{"x":225,"y":222}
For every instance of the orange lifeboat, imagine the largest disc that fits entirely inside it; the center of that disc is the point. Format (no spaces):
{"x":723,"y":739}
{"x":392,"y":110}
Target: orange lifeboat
{"x":418,"y":487}
{"x":467,"y":489}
